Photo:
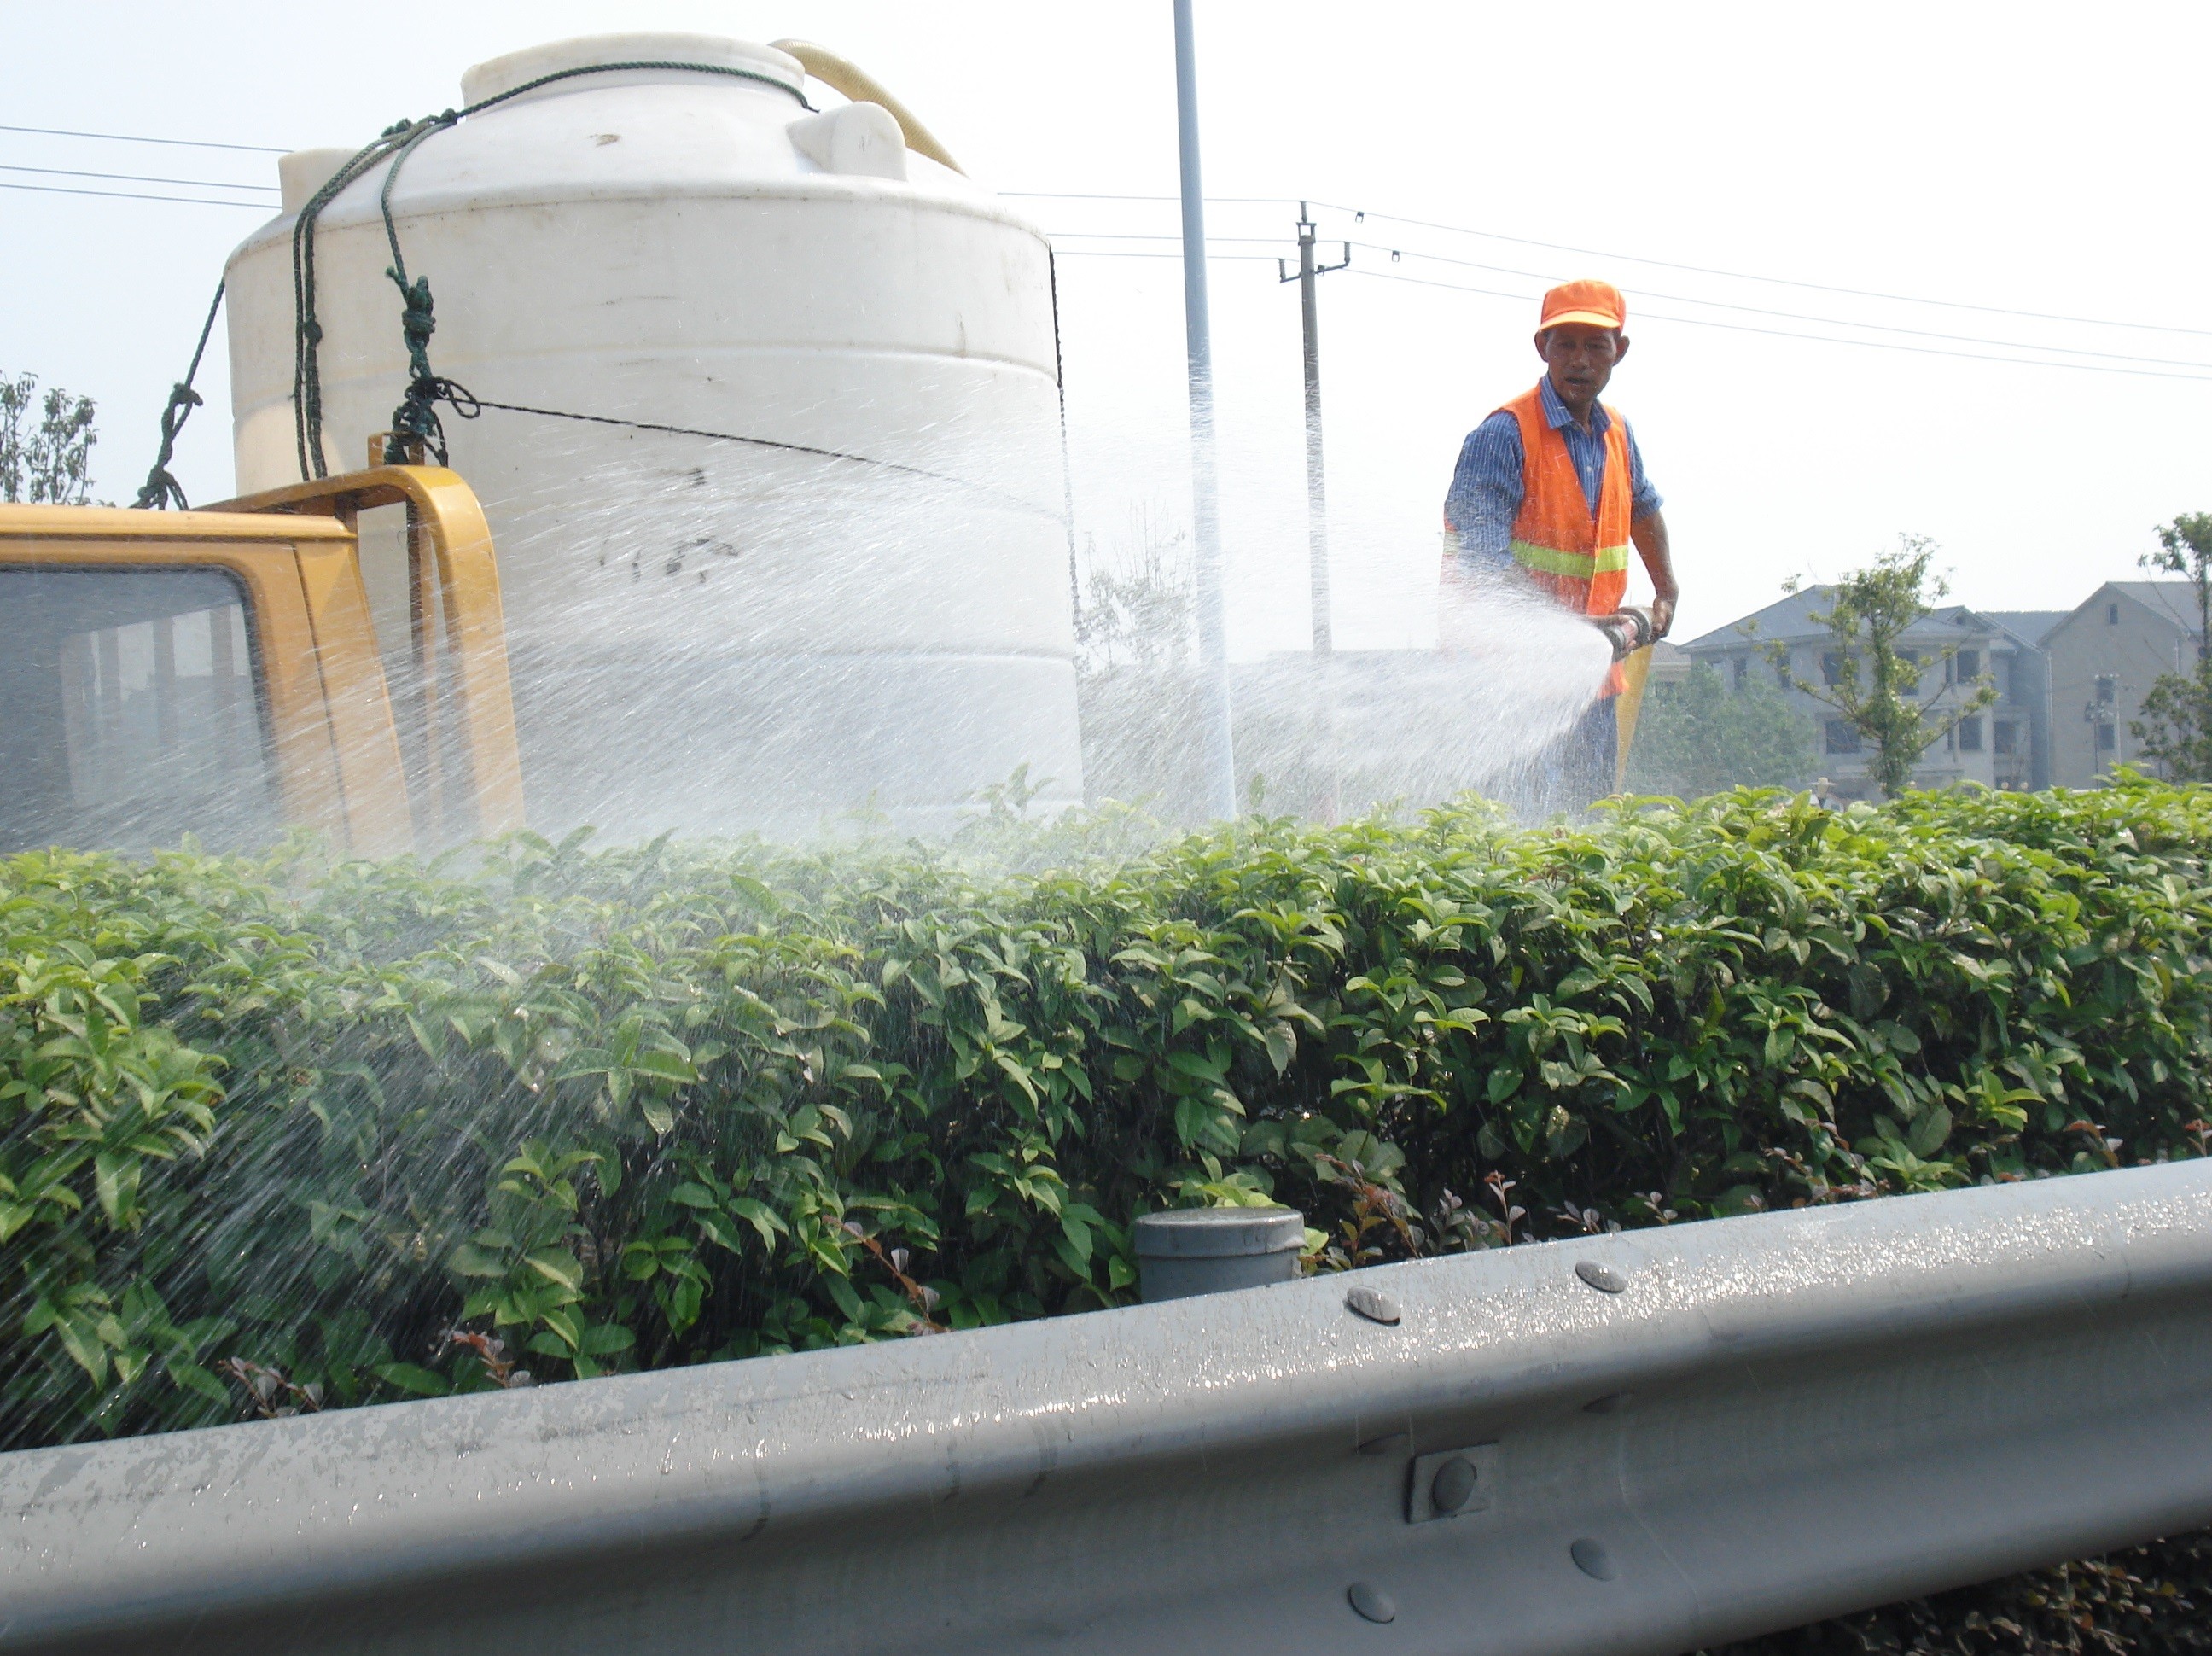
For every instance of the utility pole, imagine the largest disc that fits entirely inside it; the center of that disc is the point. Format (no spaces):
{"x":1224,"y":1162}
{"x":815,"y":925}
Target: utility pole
{"x":1316,"y":478}
{"x":1216,"y":739}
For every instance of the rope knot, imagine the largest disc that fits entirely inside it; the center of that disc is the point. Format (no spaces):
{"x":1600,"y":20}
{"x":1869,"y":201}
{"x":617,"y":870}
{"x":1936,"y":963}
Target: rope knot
{"x":418,"y":321}
{"x":416,"y":428}
{"x":161,"y":491}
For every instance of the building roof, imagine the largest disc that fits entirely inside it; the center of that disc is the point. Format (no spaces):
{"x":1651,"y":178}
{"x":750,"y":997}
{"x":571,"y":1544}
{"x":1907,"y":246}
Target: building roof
{"x":2029,"y":626}
{"x":1670,"y":663}
{"x":2174,"y":599}
{"x":1789,"y":618}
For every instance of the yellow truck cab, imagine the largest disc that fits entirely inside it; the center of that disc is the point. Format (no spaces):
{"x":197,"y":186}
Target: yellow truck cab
{"x":218,"y":674}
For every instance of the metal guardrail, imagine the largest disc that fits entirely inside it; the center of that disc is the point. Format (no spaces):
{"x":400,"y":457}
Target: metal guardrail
{"x":1635,"y":1443}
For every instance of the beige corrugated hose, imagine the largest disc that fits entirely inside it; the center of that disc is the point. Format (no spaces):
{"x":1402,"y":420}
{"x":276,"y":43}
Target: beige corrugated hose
{"x":856,"y":83}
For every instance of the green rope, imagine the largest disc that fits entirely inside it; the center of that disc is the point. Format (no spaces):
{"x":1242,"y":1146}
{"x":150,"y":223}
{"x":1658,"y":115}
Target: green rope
{"x":415,"y":421}
{"x":161,"y":488}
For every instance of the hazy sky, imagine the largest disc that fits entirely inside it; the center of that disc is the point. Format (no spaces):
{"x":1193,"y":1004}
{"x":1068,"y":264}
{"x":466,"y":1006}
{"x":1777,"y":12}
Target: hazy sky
{"x":1733,"y":167}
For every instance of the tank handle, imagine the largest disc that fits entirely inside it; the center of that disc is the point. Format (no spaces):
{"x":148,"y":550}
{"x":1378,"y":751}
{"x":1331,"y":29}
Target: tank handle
{"x":854,"y":82}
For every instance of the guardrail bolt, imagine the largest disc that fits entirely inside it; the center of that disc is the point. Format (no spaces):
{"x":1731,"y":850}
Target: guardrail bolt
{"x":1373,"y":1304}
{"x":1452,"y":1486}
{"x":1371,"y":1602}
{"x":1187,"y":1251}
{"x":1593,"y":1559}
{"x":1604,"y":1278}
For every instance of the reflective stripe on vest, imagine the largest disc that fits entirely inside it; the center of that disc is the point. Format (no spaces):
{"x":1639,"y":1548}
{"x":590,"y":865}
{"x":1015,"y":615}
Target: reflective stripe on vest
{"x":1579,"y":556}
{"x":1576,"y":566}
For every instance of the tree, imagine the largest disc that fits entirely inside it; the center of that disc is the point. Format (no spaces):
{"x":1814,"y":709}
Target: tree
{"x":1138,"y":609}
{"x":48,"y":462}
{"x":1698,"y":737}
{"x":1869,"y":612}
{"x":2175,"y":730}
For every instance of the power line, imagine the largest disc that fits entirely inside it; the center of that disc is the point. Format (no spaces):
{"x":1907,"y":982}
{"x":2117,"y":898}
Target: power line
{"x":122,"y":137}
{"x":1362,"y":213}
{"x":1784,"y":333}
{"x":138,"y":178}
{"x":1113,"y":235}
{"x":1115,"y":252}
{"x":1799,"y":316}
{"x":1211,"y":201}
{"x":1717,"y":304}
{"x":133,"y":195}
{"x":1359,"y":214}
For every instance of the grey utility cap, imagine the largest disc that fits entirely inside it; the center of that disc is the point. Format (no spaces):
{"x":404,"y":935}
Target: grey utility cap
{"x":1189,"y":1251}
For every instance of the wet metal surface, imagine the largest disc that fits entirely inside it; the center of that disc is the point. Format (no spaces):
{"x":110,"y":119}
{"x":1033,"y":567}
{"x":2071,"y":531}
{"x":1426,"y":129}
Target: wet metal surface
{"x":1772,"y":1419}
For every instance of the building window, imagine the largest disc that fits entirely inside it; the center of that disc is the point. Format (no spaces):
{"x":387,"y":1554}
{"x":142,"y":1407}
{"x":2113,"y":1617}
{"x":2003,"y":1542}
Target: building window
{"x":2007,"y":737}
{"x":1832,"y":667}
{"x":1843,"y":736}
{"x":1970,"y":735}
{"x":2112,"y":615}
{"x":2108,"y":737}
{"x":2108,"y":690}
{"x":1742,"y":666}
{"x":1782,"y":674}
{"x":1970,"y":665}
{"x":1910,"y":661}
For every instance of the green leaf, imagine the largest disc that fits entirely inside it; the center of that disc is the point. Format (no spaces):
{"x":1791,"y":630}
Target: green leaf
{"x":559,"y":1267}
{"x":195,"y":1378}
{"x":471,"y":1260}
{"x":413,"y":1378}
{"x":666,"y":1066}
{"x":762,"y":1217}
{"x":605,"y":1339}
{"x":1930,"y":1132}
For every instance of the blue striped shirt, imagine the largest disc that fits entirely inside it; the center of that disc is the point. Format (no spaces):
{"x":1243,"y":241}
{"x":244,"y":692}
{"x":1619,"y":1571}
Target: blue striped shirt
{"x":1486,"y":489}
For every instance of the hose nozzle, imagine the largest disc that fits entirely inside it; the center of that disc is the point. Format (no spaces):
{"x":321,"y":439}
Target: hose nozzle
{"x":1628,"y":629}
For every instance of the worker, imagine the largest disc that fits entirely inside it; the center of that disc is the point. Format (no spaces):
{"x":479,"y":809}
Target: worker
{"x":1549,"y":492}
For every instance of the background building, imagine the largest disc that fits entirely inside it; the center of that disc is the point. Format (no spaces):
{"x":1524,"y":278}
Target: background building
{"x":2102,"y":658}
{"x":2069,"y":682}
{"x":2006,"y":744}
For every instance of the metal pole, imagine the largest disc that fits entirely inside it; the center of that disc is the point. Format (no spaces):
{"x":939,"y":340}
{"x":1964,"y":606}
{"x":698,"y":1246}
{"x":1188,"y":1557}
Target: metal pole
{"x":1066,"y":473}
{"x":1316,"y":478}
{"x":1217,"y":741}
{"x":1328,"y":801}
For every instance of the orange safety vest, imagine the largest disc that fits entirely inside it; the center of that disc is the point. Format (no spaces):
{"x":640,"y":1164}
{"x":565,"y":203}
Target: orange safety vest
{"x":1581,"y":560}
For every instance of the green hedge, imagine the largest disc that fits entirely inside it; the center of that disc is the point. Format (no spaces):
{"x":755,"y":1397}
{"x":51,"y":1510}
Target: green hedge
{"x":278,"y":1136}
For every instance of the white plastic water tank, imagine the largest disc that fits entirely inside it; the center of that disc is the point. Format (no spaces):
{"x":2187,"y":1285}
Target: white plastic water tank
{"x":713,"y":634}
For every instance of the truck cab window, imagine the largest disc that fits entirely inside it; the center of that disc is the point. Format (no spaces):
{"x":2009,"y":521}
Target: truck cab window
{"x":132,"y":712}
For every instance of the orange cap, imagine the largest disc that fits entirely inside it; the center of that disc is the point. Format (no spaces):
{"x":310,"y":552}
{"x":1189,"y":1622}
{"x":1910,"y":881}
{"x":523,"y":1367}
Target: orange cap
{"x":1595,"y":304}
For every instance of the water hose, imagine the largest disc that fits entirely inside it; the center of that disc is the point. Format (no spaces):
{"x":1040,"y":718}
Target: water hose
{"x":1631,"y":629}
{"x":848,"y":78}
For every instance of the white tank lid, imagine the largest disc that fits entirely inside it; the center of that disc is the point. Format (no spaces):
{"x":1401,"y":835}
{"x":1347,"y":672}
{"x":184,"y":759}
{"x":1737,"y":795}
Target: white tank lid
{"x":499,"y":75}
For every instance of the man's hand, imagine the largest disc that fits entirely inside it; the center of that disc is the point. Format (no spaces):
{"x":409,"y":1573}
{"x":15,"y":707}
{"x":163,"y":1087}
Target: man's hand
{"x":1650,"y":535}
